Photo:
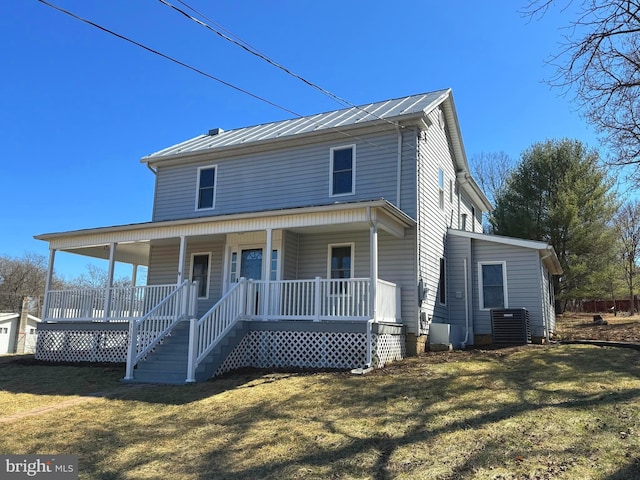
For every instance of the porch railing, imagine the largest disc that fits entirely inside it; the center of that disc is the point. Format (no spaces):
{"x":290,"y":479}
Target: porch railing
{"x":317,"y":299}
{"x":104,"y":304}
{"x":146,"y":332}
{"x":206,"y":332}
{"x":387,"y":301}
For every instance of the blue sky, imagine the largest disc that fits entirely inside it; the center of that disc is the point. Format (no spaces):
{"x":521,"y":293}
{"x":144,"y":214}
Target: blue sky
{"x":79,"y":107}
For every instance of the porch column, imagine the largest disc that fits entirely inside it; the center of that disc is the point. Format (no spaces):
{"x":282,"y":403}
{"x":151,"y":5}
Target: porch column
{"x":266,"y":267}
{"x":107,"y":297}
{"x":373,"y":241}
{"x":181,"y":262}
{"x":134,"y":278}
{"x":47,"y":283}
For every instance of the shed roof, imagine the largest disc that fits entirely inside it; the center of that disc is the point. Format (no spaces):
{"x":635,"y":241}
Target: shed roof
{"x":547,"y":252}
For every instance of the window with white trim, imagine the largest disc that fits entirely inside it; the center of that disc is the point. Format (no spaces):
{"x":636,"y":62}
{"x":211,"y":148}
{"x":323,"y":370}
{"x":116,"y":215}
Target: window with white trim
{"x":206,"y":189}
{"x":342,"y":180}
{"x":441,"y":189}
{"x":340,"y":261}
{"x":200,"y":265}
{"x":492,"y":283}
{"x":442,"y":283}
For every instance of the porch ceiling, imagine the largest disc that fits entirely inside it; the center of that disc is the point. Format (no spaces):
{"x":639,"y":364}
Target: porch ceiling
{"x":133,"y":240}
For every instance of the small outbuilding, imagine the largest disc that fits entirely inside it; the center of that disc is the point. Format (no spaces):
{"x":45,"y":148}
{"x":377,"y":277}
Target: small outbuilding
{"x":18,"y":333}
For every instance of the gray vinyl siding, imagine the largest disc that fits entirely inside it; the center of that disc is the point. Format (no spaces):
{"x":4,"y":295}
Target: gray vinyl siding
{"x":290,"y":256}
{"x":459,"y":249}
{"x":287,"y":178}
{"x":523,"y":277}
{"x":163,"y":267}
{"x":163,"y":263}
{"x":433,"y":154}
{"x":474,"y":222}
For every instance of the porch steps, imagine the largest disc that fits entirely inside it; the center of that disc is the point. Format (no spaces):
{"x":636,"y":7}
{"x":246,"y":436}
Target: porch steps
{"x":167,"y":364}
{"x":219,"y":354}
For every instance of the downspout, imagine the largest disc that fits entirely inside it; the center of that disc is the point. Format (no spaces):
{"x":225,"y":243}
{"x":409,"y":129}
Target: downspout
{"x":466,"y":305}
{"x":373,"y":267}
{"x":463,"y":178}
{"x":546,"y":319}
{"x":399,"y":169}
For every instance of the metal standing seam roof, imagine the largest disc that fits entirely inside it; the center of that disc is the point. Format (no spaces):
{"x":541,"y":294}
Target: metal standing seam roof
{"x":384,"y":110}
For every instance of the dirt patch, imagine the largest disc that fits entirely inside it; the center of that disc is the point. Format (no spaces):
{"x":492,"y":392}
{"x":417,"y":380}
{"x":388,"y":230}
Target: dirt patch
{"x":577,"y":326}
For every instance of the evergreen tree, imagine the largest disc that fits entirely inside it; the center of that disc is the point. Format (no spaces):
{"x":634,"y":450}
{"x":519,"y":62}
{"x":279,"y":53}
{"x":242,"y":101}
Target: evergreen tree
{"x":560,"y":194}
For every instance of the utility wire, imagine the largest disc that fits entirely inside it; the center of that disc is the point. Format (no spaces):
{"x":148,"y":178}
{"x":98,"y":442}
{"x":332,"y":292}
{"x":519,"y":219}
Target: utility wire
{"x":253,"y":51}
{"x":174,"y":60}
{"x":212,"y":77}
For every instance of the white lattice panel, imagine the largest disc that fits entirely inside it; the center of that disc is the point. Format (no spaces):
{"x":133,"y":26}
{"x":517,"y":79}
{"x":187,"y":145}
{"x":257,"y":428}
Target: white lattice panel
{"x":82,"y":346}
{"x":387,"y":348}
{"x":266,"y":349}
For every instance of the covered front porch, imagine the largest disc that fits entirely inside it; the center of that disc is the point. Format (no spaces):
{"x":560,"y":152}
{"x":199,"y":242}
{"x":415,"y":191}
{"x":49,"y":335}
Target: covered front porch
{"x":301,"y":265}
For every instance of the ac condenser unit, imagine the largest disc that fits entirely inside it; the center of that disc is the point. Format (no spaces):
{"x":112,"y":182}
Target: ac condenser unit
{"x":510,"y":326}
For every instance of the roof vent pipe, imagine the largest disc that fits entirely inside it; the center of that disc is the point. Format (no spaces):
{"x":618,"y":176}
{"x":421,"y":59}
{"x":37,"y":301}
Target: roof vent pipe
{"x":215,"y":131}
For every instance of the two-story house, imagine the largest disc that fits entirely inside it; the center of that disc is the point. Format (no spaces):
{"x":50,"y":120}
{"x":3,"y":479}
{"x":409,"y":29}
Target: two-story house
{"x":336,"y":240}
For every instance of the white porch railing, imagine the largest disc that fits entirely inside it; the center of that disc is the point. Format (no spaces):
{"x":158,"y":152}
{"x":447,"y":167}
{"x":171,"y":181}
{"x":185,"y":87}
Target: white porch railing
{"x":387,"y":302}
{"x":146,"y":332}
{"x":104,"y":304}
{"x":206,"y":332}
{"x":322,"y":299}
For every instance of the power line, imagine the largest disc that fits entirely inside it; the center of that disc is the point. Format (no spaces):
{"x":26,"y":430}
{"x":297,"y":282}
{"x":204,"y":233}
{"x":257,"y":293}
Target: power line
{"x":174,"y":60}
{"x":212,"y":77}
{"x":253,"y":51}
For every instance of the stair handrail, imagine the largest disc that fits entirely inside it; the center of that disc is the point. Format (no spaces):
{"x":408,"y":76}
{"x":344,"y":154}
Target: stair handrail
{"x":205,"y":333}
{"x":139,"y":347}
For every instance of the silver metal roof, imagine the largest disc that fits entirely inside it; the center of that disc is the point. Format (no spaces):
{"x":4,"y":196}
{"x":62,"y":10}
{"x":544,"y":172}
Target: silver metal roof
{"x":380,"y":111}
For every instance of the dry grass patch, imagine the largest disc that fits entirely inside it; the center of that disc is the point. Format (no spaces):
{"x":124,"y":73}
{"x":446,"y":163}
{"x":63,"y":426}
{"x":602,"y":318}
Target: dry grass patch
{"x":580,"y":326}
{"x":551,"y":412}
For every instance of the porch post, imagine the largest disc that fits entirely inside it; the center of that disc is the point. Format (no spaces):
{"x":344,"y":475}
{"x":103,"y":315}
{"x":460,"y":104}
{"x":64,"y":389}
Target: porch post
{"x":183,"y":249}
{"x":47,"y":283}
{"x":266,"y":266}
{"x":134,"y":278}
{"x":373,"y":241}
{"x":107,"y":297}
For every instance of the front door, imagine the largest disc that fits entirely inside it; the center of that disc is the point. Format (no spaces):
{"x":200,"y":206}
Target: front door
{"x":251,"y":264}
{"x":251,"y":269}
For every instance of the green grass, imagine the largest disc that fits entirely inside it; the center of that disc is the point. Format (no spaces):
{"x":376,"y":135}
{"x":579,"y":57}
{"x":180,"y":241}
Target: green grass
{"x":570,"y":412}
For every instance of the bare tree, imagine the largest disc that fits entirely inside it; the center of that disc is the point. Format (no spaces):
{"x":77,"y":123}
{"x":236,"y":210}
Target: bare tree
{"x":600,"y":62}
{"x":20,"y":277}
{"x":491,"y":170}
{"x":627,"y":224}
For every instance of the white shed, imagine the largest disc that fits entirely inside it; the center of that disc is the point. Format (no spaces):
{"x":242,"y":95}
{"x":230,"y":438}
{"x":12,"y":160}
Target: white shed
{"x":9,"y":335}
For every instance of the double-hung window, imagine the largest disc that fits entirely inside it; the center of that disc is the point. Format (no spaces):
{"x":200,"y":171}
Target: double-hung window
{"x":200,"y":263}
{"x":343,"y":171}
{"x":206,"y":189}
{"x":492,"y":281}
{"x":340,"y":266}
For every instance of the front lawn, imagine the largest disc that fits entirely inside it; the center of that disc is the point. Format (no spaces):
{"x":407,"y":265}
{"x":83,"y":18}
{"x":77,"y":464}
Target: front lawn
{"x":570,"y":412}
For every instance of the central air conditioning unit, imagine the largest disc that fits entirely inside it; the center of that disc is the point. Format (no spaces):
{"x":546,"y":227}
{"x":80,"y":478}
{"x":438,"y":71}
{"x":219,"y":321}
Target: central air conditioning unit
{"x":510,"y":326}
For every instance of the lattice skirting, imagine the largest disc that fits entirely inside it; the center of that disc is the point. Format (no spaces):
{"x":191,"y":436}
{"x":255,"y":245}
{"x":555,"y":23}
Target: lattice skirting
{"x":315,"y":350}
{"x":386,"y":349}
{"x":82,"y":346}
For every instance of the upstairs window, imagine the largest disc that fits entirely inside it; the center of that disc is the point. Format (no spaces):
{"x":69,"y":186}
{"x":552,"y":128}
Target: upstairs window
{"x":493,"y":285}
{"x":206,"y":190}
{"x":343,"y":171}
